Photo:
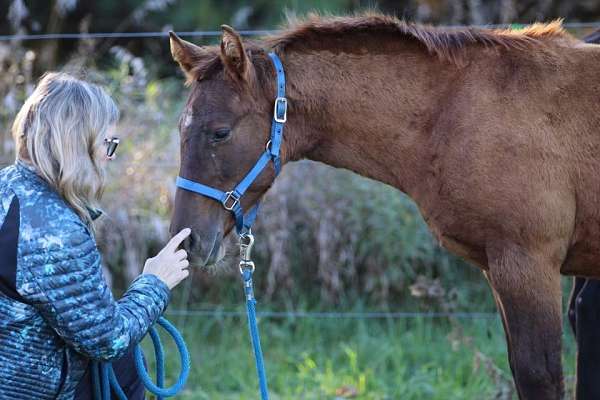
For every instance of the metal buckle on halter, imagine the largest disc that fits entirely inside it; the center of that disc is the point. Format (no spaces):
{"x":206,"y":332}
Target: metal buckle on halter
{"x":278,"y":116}
{"x":230,"y":196}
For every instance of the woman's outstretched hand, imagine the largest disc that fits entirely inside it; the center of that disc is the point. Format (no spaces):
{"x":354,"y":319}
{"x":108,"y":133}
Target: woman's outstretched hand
{"x":170,"y":265}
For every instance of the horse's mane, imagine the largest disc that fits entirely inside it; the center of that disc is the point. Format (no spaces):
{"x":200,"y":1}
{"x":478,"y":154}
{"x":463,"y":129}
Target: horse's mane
{"x":442,"y":41}
{"x":446,"y":43}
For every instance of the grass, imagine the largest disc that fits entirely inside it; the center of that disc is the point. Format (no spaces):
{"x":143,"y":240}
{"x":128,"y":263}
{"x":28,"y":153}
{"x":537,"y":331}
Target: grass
{"x":415,"y":358}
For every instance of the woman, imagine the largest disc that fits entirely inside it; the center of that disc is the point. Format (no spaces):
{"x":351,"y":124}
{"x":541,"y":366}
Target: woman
{"x":56,"y":311}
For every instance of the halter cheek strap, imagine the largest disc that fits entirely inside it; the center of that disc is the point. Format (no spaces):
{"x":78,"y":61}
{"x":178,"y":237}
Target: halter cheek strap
{"x":231,"y":200}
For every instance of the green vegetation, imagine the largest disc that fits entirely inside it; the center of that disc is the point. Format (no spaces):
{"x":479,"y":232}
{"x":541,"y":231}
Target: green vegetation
{"x":369,"y":249}
{"x":408,"y":359}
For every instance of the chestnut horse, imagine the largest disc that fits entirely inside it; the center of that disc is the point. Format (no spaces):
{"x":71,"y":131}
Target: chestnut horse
{"x":493,"y":133}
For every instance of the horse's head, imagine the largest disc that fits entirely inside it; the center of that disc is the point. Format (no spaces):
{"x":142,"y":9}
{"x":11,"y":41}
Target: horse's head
{"x":224,"y":128}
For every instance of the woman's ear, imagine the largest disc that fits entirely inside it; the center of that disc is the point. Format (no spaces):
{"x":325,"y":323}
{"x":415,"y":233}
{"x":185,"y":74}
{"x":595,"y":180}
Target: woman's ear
{"x":233,"y":54}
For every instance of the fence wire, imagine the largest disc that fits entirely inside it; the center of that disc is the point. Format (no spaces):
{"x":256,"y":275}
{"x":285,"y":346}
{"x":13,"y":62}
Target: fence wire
{"x":331,"y":315}
{"x":215,"y":33}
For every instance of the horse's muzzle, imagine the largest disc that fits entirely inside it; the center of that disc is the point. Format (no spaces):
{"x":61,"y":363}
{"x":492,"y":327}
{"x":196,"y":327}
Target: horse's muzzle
{"x":204,"y":249}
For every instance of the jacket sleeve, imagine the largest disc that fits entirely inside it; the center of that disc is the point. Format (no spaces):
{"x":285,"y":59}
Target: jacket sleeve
{"x":61,"y":276}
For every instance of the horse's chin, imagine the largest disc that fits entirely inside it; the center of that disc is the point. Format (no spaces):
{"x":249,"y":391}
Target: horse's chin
{"x":216,"y":260}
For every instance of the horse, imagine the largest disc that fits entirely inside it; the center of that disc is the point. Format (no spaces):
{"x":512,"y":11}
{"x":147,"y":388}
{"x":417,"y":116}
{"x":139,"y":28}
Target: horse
{"x":493,"y":134}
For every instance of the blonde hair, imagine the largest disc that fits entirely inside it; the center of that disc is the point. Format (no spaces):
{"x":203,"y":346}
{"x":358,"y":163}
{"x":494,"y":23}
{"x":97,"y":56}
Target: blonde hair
{"x":60,"y":130}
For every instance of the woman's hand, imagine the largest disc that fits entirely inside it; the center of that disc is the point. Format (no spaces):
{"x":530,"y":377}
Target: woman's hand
{"x":170,"y":265}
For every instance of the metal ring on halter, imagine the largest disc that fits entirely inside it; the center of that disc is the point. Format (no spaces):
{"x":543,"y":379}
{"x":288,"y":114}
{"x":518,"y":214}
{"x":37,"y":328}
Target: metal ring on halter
{"x":230,"y":196}
{"x":268,"y":146}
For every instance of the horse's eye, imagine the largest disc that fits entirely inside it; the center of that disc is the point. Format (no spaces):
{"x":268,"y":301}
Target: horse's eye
{"x":221,"y":134}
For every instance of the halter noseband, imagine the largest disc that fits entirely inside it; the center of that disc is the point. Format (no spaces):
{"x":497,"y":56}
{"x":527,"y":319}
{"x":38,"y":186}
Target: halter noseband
{"x":231,"y":200}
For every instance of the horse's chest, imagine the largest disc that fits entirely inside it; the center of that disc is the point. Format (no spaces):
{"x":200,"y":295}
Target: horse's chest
{"x":457,"y":235}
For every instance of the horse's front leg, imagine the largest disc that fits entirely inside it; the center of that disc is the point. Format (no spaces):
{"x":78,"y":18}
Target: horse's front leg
{"x":528,"y":293}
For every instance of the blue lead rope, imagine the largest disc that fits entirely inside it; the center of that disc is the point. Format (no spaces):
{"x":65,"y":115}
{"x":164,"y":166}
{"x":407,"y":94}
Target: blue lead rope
{"x":252,"y":324}
{"x":103,"y":376}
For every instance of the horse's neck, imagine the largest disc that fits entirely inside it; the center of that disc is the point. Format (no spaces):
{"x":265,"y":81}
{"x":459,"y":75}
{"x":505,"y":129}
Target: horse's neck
{"x":367,"y":113}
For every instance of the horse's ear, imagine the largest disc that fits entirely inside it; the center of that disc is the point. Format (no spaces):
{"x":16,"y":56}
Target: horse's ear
{"x":233,"y":54}
{"x":187,"y":54}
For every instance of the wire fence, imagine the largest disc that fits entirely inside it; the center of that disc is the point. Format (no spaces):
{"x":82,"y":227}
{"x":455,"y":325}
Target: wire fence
{"x":281,"y":315}
{"x":332,"y":315}
{"x":216,"y":33}
{"x":124,"y":35}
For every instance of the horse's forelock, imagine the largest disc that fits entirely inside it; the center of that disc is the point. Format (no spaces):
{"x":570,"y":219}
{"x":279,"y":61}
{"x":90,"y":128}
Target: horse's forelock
{"x":206,"y":66}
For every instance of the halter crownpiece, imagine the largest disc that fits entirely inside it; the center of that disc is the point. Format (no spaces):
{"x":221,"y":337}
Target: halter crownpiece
{"x":231,"y":200}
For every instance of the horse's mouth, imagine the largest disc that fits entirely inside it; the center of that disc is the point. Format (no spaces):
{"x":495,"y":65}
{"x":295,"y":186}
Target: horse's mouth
{"x":216,"y":254}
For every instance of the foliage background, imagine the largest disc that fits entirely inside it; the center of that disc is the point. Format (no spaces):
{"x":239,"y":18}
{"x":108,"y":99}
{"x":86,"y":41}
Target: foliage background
{"x":336,"y":242}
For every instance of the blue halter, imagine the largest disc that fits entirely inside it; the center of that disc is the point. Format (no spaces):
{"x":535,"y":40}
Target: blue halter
{"x":231,"y":199}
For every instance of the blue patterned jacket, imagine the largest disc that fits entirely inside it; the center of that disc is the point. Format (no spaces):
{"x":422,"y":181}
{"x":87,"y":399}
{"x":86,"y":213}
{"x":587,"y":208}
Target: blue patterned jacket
{"x":56,"y":311}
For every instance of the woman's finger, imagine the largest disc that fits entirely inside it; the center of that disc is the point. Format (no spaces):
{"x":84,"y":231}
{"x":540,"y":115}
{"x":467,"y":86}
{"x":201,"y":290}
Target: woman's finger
{"x":180,"y":255}
{"x":183,"y":264}
{"x":177,"y":239}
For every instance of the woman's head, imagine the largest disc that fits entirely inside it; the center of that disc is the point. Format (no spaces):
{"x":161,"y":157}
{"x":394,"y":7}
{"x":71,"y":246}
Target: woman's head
{"x":60,"y":130}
